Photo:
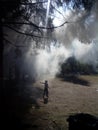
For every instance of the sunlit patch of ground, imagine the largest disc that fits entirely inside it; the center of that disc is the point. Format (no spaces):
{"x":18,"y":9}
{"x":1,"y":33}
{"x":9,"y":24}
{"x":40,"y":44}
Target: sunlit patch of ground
{"x":65,"y":99}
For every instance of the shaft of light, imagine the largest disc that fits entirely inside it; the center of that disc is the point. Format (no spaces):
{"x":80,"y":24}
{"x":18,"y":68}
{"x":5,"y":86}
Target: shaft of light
{"x":47,"y":14}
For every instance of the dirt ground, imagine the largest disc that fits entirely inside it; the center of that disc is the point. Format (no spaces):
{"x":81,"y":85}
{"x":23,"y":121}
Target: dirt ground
{"x":66,"y":97}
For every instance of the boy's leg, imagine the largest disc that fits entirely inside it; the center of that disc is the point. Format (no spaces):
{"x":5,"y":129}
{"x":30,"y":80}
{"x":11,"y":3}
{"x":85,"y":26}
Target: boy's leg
{"x":44,"y":94}
{"x":47,"y":93}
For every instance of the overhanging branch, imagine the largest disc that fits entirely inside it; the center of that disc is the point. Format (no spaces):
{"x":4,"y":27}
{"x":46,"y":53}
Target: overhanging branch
{"x":32,"y":24}
{"x":2,"y":3}
{"x":9,"y":42}
{"x":23,"y":33}
{"x":12,"y":44}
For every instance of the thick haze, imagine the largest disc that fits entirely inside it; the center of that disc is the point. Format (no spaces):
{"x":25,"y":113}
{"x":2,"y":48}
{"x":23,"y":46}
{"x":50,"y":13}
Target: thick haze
{"x":78,"y":38}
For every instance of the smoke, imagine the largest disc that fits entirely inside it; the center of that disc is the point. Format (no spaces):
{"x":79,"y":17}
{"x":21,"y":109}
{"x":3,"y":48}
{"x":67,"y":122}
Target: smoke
{"x":46,"y":62}
{"x":85,"y":53}
{"x":77,"y":38}
{"x":80,"y":34}
{"x":82,"y":25}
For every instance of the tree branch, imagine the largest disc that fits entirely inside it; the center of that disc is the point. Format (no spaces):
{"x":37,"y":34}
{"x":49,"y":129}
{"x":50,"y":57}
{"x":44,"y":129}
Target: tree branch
{"x":2,"y":3}
{"x":58,"y":11}
{"x":23,"y":33}
{"x":9,"y":42}
{"x":32,"y":24}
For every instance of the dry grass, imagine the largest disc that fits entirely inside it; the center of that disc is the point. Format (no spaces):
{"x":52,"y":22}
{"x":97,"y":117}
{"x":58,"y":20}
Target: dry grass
{"x":65,"y":99}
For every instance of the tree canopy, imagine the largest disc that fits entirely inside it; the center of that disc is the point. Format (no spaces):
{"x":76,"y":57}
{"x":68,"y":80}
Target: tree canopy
{"x":33,"y":12}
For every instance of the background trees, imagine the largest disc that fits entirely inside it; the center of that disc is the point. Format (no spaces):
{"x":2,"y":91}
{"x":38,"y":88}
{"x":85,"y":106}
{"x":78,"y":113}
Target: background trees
{"x":72,"y":66}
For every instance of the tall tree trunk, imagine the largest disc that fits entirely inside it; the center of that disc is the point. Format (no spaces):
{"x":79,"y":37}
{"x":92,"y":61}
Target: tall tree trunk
{"x":1,"y":71}
{"x":1,"y":53}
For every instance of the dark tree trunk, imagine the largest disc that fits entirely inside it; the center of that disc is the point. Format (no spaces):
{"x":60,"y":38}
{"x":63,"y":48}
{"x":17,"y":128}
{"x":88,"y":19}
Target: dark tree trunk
{"x":1,"y":53}
{"x":1,"y":71}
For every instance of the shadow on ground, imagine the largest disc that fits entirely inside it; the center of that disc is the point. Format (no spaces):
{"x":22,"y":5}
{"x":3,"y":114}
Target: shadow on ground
{"x":75,"y":79}
{"x":45,"y":100}
{"x":17,"y":100}
{"x":82,"y":121}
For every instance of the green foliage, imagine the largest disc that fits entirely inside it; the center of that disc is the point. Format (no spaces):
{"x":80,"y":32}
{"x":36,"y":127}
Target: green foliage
{"x":76,"y":67}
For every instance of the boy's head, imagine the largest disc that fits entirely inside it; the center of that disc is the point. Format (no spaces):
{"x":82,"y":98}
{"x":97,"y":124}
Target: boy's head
{"x":46,"y":81}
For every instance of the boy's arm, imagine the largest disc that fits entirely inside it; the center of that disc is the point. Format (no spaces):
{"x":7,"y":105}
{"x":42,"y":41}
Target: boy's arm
{"x":42,"y":83}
